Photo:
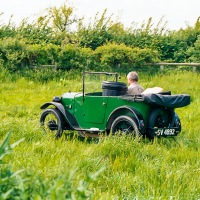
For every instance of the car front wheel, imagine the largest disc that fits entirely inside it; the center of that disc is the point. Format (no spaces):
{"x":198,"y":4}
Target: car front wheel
{"x":124,"y":125}
{"x":52,"y":122}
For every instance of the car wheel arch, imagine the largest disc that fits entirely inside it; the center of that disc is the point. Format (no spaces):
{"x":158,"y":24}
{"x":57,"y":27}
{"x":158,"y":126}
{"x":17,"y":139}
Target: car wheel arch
{"x":67,"y":116}
{"x":125,"y":124}
{"x":128,"y":111}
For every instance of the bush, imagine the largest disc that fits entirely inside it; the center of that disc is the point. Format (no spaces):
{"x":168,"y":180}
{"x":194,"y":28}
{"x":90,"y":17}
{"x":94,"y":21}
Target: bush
{"x":42,"y":54}
{"x":194,"y":52}
{"x":13,"y":52}
{"x":73,"y":57}
{"x":113,"y":56}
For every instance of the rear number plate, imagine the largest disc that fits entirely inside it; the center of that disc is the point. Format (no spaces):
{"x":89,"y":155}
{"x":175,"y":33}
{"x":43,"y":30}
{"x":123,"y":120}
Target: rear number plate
{"x":166,"y":131}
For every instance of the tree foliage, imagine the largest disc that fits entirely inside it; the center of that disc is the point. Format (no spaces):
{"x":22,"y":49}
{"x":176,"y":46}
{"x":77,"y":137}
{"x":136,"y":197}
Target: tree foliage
{"x":113,"y":56}
{"x":194,"y":52}
{"x":58,"y":36}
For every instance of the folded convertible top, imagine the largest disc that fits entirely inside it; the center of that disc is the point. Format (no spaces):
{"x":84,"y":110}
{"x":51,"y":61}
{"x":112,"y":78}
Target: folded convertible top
{"x":171,"y":101}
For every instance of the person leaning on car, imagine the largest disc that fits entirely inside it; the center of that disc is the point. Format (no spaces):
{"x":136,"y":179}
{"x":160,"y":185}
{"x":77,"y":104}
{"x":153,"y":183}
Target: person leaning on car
{"x":134,"y":87}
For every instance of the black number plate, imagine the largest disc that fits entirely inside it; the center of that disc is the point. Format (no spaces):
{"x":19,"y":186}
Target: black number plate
{"x":165,"y":131}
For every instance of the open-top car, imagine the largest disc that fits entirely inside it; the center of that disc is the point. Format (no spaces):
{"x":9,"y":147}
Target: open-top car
{"x":111,"y":110}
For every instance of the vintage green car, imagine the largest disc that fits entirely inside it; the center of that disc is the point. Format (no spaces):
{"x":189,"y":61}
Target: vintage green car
{"x":111,"y":110}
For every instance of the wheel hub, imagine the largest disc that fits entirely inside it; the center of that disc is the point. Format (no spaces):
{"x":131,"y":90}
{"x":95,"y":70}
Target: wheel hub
{"x":52,"y":125}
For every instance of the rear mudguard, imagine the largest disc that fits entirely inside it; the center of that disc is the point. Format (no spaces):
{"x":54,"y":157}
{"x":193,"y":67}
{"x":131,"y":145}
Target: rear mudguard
{"x":126,"y":110}
{"x":68,"y":117}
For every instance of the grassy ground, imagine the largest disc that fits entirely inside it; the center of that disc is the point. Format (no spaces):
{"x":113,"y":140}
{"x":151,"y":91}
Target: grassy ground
{"x":167,"y":168}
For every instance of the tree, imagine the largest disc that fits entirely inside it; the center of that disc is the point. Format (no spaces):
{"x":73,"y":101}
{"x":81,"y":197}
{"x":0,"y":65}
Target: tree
{"x":36,"y":32}
{"x":95,"y":34}
{"x":61,"y":19}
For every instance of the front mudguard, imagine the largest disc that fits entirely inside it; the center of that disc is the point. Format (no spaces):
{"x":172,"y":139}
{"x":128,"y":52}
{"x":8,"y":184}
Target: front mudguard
{"x":59,"y":106}
{"x":68,"y":117}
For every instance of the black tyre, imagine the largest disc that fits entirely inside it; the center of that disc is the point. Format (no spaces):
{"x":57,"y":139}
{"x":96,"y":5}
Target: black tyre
{"x":51,"y":121}
{"x":124,"y":125}
{"x":113,"y":88}
{"x":161,"y":118}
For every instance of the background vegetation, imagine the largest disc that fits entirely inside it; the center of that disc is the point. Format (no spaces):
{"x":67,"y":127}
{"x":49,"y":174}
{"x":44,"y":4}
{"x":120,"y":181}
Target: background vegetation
{"x":111,"y":168}
{"x":59,"y":37}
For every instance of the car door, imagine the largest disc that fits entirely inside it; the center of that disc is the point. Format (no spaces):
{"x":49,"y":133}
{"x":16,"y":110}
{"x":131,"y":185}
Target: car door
{"x":94,"y":108}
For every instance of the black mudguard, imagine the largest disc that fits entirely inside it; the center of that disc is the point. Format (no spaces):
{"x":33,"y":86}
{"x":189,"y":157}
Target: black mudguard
{"x":68,"y":117}
{"x":136,"y":114}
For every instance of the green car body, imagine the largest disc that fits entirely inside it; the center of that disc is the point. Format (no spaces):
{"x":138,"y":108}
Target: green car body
{"x":95,"y":111}
{"x":99,"y":112}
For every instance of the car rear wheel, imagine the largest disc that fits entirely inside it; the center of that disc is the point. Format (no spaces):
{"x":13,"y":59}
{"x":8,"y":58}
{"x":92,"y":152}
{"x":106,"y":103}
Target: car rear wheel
{"x":124,"y":125}
{"x":161,"y":118}
{"x":52,"y":122}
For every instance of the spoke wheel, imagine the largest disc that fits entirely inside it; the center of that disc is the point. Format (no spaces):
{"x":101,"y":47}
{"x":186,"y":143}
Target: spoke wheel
{"x":124,"y":125}
{"x":52,"y":122}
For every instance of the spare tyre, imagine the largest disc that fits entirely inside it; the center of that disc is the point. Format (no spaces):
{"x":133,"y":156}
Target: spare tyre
{"x":110,"y":88}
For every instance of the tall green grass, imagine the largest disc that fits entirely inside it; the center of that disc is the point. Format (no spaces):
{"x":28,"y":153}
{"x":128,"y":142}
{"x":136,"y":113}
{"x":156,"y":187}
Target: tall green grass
{"x":167,"y":168}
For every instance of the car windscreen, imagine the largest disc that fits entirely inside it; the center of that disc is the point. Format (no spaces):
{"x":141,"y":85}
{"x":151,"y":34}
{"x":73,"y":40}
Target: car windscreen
{"x":93,"y":82}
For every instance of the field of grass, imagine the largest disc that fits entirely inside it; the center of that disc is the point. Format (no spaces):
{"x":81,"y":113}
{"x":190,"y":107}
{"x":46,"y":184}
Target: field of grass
{"x":111,"y":168}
